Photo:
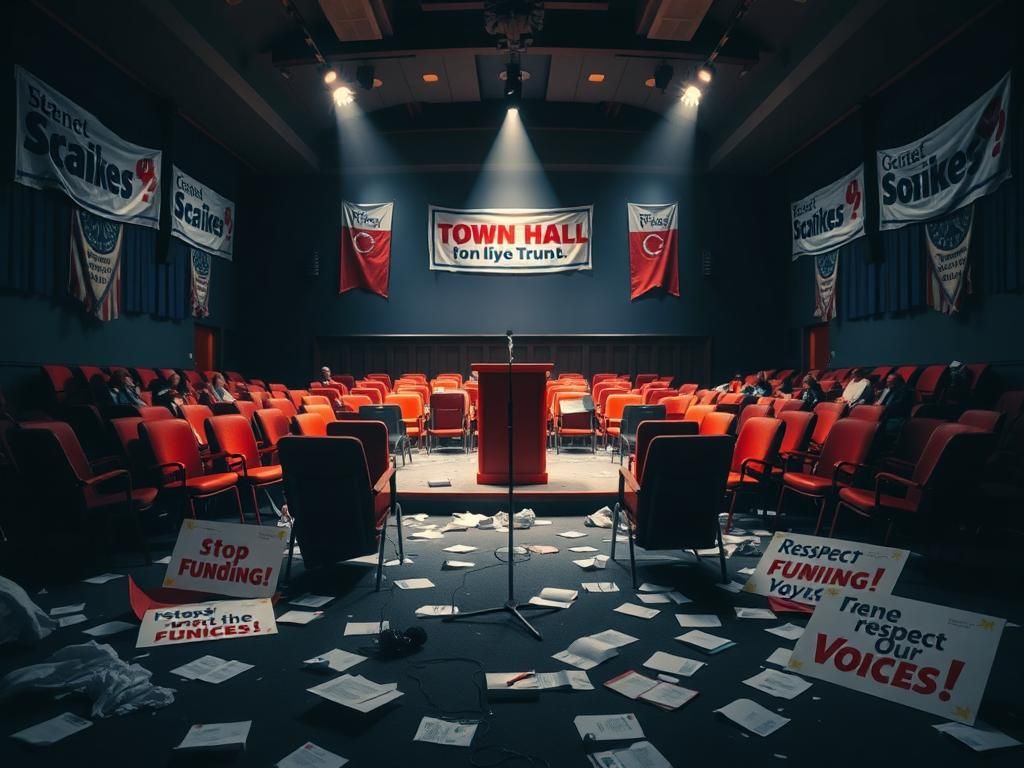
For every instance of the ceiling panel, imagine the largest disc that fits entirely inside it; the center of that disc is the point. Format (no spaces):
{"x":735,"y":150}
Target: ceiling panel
{"x":610,"y":66}
{"x":460,"y":69}
{"x":415,"y":67}
{"x":564,"y":76}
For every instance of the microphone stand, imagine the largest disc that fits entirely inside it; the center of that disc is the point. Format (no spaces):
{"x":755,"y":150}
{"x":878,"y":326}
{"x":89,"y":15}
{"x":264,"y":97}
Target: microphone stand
{"x":510,"y":606}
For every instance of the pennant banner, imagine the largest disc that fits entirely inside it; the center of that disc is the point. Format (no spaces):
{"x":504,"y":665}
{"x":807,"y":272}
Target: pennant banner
{"x":201,"y":217}
{"x":94,"y":274}
{"x":954,"y":165}
{"x":200,"y":263}
{"x":949,"y":271}
{"x":61,"y":146}
{"x":826,"y":270}
{"x":366,"y":247}
{"x":653,"y":248}
{"x":829,"y":217}
{"x":510,"y":241}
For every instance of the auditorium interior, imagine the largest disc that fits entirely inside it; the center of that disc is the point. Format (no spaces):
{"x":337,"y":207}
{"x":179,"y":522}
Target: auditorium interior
{"x":692,"y":431}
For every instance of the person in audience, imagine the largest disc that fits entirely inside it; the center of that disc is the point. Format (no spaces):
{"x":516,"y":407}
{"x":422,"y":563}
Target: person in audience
{"x":325,"y":377}
{"x":167,"y":392}
{"x":956,"y":397}
{"x":123,"y":390}
{"x":760,"y":388}
{"x":898,"y":400}
{"x":735,"y":384}
{"x":218,"y":390}
{"x":812,"y":393}
{"x":857,"y":391}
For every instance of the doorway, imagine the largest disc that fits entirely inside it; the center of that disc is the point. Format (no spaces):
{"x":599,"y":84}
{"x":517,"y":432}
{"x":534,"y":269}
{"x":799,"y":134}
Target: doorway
{"x":818,"y":355}
{"x":204,"y":348}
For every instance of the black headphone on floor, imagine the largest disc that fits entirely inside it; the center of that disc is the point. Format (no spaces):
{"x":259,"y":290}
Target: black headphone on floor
{"x":397,"y":642}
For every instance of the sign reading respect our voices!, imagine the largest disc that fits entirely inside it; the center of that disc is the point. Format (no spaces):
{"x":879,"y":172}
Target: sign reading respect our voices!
{"x":510,"y":241}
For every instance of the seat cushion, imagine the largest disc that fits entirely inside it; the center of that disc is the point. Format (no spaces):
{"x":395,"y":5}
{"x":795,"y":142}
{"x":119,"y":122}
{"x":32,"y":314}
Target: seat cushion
{"x":864,"y":499}
{"x":569,"y":432}
{"x":204,"y":484}
{"x":446,"y":432}
{"x":805,"y":483}
{"x":267,"y":474}
{"x":142,"y":498}
{"x":734,"y":480}
{"x":613,"y":431}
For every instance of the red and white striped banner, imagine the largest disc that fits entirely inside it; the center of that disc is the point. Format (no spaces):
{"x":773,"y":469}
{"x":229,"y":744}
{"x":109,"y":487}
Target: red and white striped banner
{"x":94,"y":274}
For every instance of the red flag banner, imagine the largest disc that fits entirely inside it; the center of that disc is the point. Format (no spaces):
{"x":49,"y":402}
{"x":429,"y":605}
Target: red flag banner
{"x":366,"y":247}
{"x":94,"y":275}
{"x":653,"y":248}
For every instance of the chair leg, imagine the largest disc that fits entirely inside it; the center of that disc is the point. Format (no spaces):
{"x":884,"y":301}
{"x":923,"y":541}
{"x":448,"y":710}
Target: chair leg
{"x":380,"y":554}
{"x":291,"y":551}
{"x":255,"y":503}
{"x":721,"y":556}
{"x":192,"y":507}
{"x":396,"y":510}
{"x":821,"y":514}
{"x":632,"y":552}
{"x":615,"y":527}
{"x":778,"y":507}
{"x":835,"y":520}
{"x":238,"y":504}
{"x":732,"y":504}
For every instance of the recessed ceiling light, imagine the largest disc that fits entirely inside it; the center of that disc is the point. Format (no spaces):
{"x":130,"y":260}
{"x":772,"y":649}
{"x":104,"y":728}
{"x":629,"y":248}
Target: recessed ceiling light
{"x":649,"y":82}
{"x":595,"y":77}
{"x":377,"y":82}
{"x":430,"y":77}
{"x":523,"y":75}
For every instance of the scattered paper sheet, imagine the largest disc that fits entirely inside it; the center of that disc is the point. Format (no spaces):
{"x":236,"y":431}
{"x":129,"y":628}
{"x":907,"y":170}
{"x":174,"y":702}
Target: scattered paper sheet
{"x":787,"y":631}
{"x":53,"y":730}
{"x":595,"y":563}
{"x":70,"y":621}
{"x":460,"y":549}
{"x":631,"y":609}
{"x":600,"y":586}
{"x":572,"y":534}
{"x":780,"y":656}
{"x":678,"y":598}
{"x":614,"y":638}
{"x":706,"y":642}
{"x":450,"y":734}
{"x":575,"y":679}
{"x":640,"y":755}
{"x":396,"y":561}
{"x":778,"y":684}
{"x":753,"y":717}
{"x":542,"y":522}
{"x":311,"y":601}
{"x":609,"y":727}
{"x":511,"y":682}
{"x":698,"y":620}
{"x":225,"y":671}
{"x":654,"y":599}
{"x":110,"y":628}
{"x":733,"y":586}
{"x":668,"y":695}
{"x":755,"y":613}
{"x":648,"y":587}
{"x":426,"y":534}
{"x":103,"y":578}
{"x":299,"y":617}
{"x":545,"y":603}
{"x":366,"y":627}
{"x":556,"y":593}
{"x":64,"y":610}
{"x":217,"y":736}
{"x":631,"y":684}
{"x":543,"y":549}
{"x":586,"y":653}
{"x":426,"y":611}
{"x":583,"y":549}
{"x":309,"y":755}
{"x":414,"y":583}
{"x":981,"y":738}
{"x":335,"y":659}
{"x":167,"y":560}
{"x":356,"y":692}
{"x":676,"y":665}
{"x":441,"y":482}
{"x":746,"y":571}
{"x":452,"y":565}
{"x":199,"y":667}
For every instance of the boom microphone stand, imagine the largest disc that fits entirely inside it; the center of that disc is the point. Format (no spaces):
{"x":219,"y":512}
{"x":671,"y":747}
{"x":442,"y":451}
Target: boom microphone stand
{"x":510,"y":606}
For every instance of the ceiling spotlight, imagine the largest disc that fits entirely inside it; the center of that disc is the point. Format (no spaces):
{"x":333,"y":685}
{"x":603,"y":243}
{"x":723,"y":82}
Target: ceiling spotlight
{"x":343,"y":96}
{"x":595,"y":77}
{"x":691,"y":96}
{"x":364,"y":76}
{"x":649,"y":82}
{"x":330,"y":76}
{"x":663,"y":76}
{"x":513,"y":84}
{"x":705,"y":73}
{"x":430,"y":77}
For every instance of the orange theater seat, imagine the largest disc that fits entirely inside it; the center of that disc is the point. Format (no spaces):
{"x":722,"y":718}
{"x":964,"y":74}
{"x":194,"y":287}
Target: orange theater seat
{"x":196,"y":416}
{"x":325,"y":412}
{"x":449,"y":417}
{"x":272,"y":425}
{"x":756,"y":450}
{"x":412,"y":413}
{"x":309,"y":424}
{"x":373,"y":393}
{"x":233,"y":437}
{"x":717,"y":423}
{"x":354,"y":402}
{"x":284,"y":405}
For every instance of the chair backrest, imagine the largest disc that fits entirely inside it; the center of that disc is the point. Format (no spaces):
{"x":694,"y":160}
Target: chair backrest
{"x":750,"y":412}
{"x":606,"y":389}
{"x":64,"y":439}
{"x":987,"y":421}
{"x":709,"y":397}
{"x":867,"y":412}
{"x":410,"y":403}
{"x":783,"y":404}
{"x":597,"y":378}
{"x":389,"y":414}
{"x":233,"y":434}
{"x":913,"y":438}
{"x":381,"y":388}
{"x":331,"y":393}
{"x":296,"y":396}
{"x":644,"y":378}
{"x":759,"y":438}
{"x":61,"y":380}
{"x":677,"y":404}
{"x":284,"y":405}
{"x":326,"y":482}
{"x":849,"y":440}
{"x":879,"y":373}
{"x":1011,"y":403}
{"x":828,"y":414}
{"x":646,"y":431}
{"x":172,"y":441}
{"x":372,"y":393}
{"x":325,"y":412}
{"x":951,"y":464}
{"x":697,"y":412}
{"x":374,"y":437}
{"x":196,"y":416}
{"x":234,"y":376}
{"x":632,"y":415}
{"x":655,"y":395}
{"x":732,"y":398}
{"x":384,"y":378}
{"x":276,"y":387}
{"x":930,"y":381}
{"x":355,"y":402}
{"x":154,"y":413}
{"x":717,"y":423}
{"x":447,"y":410}
{"x":246,"y":408}
{"x":683,"y":491}
{"x":126,"y":431}
{"x":616,"y":403}
{"x":272,"y":424}
{"x":559,"y":395}
{"x":309,"y":424}
{"x":145,"y":376}
{"x":456,"y":376}
{"x":315,"y":400}
{"x":194,"y":377}
{"x":907,"y":373}
{"x":688,"y":389}
{"x":344,"y":378}
{"x":421,"y":377}
{"x":799,"y":426}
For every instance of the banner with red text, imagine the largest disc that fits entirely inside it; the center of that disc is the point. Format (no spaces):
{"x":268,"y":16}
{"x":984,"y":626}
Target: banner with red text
{"x":799,"y":567}
{"x":653,"y":248}
{"x":509,"y":241}
{"x":829,"y":217}
{"x":924,"y":656}
{"x":194,"y":623}
{"x":201,"y":217}
{"x":366,"y":247}
{"x":949,"y":269}
{"x":94,"y":272}
{"x":226,"y":558}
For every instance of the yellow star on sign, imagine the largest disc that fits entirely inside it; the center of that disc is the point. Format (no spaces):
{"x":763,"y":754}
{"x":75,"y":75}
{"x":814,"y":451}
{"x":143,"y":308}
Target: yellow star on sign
{"x":964,"y":713}
{"x":168,"y":581}
{"x":832,"y":591}
{"x":897,"y":555}
{"x":987,"y":624}
{"x":795,"y":663}
{"x":779,"y":534}
{"x":190,"y":524}
{"x":748,"y":587}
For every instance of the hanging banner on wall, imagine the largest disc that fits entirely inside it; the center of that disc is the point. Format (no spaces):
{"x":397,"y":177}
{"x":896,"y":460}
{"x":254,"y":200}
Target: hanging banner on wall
{"x":924,"y":656}
{"x":653,"y":248}
{"x":829,"y":217}
{"x":201,"y":217}
{"x":826,"y":271}
{"x":366,"y":247}
{"x":949,"y":269}
{"x":61,"y":146}
{"x":954,"y":165}
{"x":200,"y":263}
{"x":510,"y":241}
{"x":94,"y":272}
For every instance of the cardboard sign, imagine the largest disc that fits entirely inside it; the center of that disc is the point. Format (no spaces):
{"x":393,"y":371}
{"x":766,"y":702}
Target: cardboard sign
{"x":800,"y":568}
{"x":924,"y":656}
{"x":221,"y":620}
{"x":226,"y":558}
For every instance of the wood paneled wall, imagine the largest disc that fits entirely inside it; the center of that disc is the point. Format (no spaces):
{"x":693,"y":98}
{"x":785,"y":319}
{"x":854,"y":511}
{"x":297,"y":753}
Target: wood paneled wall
{"x":685,"y":357}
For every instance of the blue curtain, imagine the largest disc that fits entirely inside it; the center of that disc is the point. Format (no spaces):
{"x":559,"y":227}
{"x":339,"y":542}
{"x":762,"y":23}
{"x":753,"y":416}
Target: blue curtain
{"x":891,"y":284}
{"x":150,"y":286}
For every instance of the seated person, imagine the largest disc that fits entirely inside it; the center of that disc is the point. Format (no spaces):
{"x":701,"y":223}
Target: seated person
{"x":898,"y":400}
{"x":735,"y":384}
{"x":325,"y":378}
{"x":760,"y":387}
{"x":123,"y":390}
{"x":217,"y":390}
{"x":167,"y":392}
{"x":812,"y":393}
{"x":857,"y":391}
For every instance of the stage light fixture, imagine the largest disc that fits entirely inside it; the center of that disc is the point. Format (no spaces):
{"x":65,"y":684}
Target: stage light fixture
{"x":663,"y":76}
{"x":343,"y":96}
{"x":364,"y":76}
{"x":513,"y":84}
{"x":330,"y":76}
{"x":691,"y":95}
{"x":706,"y":73}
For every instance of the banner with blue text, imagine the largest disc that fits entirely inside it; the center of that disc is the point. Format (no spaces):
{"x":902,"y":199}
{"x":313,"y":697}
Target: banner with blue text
{"x":510,"y":241}
{"x":829,"y":217}
{"x":201,"y":217}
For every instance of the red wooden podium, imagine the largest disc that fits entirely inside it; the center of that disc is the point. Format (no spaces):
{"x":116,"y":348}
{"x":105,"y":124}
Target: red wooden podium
{"x":529,"y":423}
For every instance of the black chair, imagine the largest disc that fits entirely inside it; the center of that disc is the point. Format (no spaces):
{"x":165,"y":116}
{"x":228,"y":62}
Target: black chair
{"x":332,"y":501}
{"x":679,"y":499}
{"x":632,"y":415}
{"x":391,"y":415}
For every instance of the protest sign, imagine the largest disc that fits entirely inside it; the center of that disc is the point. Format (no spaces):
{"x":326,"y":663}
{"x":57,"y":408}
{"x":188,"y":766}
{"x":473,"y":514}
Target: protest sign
{"x":221,"y":620}
{"x":226,"y":558}
{"x":924,"y":656}
{"x":799,"y":568}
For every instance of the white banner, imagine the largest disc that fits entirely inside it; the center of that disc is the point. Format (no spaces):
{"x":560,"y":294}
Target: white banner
{"x":510,"y":241}
{"x":220,"y":620}
{"x":199,"y":263}
{"x":61,"y":146}
{"x":201,"y":217}
{"x":957,"y":163}
{"x":226,"y":558}
{"x":826,"y":274}
{"x":829,"y":217}
{"x":799,"y":567}
{"x":924,"y":656}
{"x":949,"y":271}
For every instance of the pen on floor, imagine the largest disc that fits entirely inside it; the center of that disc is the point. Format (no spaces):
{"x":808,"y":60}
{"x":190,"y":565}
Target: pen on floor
{"x":521,"y":676}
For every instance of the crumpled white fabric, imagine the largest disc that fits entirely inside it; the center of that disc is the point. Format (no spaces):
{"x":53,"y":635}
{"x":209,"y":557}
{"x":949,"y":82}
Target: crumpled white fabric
{"x":524,"y":518}
{"x":21,"y":620}
{"x":115,"y":686}
{"x":600,"y":519}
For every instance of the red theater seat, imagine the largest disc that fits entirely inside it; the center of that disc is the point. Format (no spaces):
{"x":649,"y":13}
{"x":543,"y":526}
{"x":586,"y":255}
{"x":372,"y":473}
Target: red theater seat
{"x":716,"y":423}
{"x":930,"y":383}
{"x":272,"y":425}
{"x":373,"y":436}
{"x":828,"y":414}
{"x":756,"y":451}
{"x":309,"y":425}
{"x":284,"y":405}
{"x":449,"y":417}
{"x":986,"y":421}
{"x":232,"y":436}
{"x":196,"y":416}
{"x":867,"y":412}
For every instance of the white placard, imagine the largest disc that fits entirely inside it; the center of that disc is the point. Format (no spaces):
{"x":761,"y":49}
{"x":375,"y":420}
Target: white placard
{"x":222,"y":620}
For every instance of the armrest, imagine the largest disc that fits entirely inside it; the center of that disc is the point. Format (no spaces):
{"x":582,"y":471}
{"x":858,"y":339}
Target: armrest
{"x":888,"y":477}
{"x":107,"y":476}
{"x":765,"y":467}
{"x":177,"y":466}
{"x":268,"y":449}
{"x":233,"y":457}
{"x":104,"y":461}
{"x":627,"y":481}
{"x":384,"y":481}
{"x":850,"y":468}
